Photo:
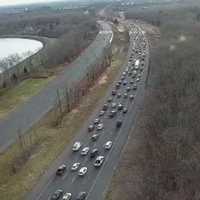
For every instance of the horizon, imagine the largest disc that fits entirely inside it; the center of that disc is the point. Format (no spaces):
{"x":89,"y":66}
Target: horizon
{"x":26,"y":2}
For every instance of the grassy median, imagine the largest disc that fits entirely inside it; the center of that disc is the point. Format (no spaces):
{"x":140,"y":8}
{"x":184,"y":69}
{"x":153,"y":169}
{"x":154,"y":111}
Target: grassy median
{"x":24,"y":163}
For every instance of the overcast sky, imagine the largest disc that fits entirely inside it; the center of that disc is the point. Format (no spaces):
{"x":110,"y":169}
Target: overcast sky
{"x":18,"y":2}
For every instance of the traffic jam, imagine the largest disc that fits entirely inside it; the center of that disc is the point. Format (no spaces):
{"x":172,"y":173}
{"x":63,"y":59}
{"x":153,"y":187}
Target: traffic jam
{"x":109,"y":120}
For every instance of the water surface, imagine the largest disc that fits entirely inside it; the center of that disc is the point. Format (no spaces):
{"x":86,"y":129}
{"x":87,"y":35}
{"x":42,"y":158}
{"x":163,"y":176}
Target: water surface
{"x":14,"y":50}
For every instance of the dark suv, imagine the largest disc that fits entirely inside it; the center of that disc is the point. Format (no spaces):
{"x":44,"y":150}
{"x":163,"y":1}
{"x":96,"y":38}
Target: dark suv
{"x":82,"y":196}
{"x":94,"y":153}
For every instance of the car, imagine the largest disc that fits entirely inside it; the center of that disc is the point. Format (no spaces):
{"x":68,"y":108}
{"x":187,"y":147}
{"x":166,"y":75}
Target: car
{"x":137,"y":79}
{"x":75,"y":166}
{"x":99,"y":161}
{"x":108,"y":145}
{"x":125,"y":95}
{"x":120,"y":106}
{"x":90,"y":127}
{"x":117,"y":86}
{"x":85,"y":151}
{"x":131,"y":97}
{"x":76,"y":146}
{"x":94,"y":153}
{"x":134,"y":87}
{"x":105,"y":107}
{"x":134,"y":73}
{"x":119,"y":95}
{"x":100,"y":127}
{"x":128,"y":89}
{"x":97,"y":121}
{"x":125,"y":110}
{"x":82,"y":171}
{"x":81,"y":196}
{"x":109,"y":99}
{"x":129,"y":73}
{"x":124,"y":73}
{"x":57,"y":194}
{"x":113,"y":105}
{"x":119,"y":82}
{"x":101,"y":113}
{"x":124,"y":82}
{"x":131,"y":82}
{"x":95,"y":137}
{"x":119,"y":123}
{"x":114,"y":92}
{"x":122,"y":78}
{"x":61,"y":170}
{"x":67,"y":196}
{"x":112,"y":113}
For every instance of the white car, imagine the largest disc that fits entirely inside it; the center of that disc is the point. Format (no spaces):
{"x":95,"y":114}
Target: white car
{"x":138,"y":79}
{"x":108,"y":145}
{"x":113,"y":105}
{"x":85,"y":151}
{"x":82,"y":171}
{"x":131,"y":97}
{"x":96,"y":121}
{"x":135,"y":72}
{"x":67,"y":196}
{"x":99,"y":127}
{"x":99,"y":161}
{"x":101,"y":113}
{"x":76,"y":146}
{"x":94,"y":137}
{"x":75,"y":166}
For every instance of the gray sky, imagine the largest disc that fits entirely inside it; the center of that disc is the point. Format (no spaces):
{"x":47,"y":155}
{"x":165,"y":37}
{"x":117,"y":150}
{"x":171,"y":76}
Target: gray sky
{"x":18,"y":2}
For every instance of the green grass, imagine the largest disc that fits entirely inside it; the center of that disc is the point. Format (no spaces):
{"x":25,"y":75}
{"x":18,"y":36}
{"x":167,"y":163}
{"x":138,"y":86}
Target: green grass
{"x":11,"y":98}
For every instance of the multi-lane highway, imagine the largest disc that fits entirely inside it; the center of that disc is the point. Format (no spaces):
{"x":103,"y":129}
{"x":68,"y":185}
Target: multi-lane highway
{"x":127,"y":90}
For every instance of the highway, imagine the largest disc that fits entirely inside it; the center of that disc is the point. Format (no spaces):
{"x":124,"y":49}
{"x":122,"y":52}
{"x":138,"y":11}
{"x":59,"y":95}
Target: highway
{"x":95,"y":182}
{"x":29,"y":113}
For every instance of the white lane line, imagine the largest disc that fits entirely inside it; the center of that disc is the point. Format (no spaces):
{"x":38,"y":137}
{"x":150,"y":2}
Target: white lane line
{"x":73,"y":179}
{"x":42,"y":192}
{"x":65,"y":175}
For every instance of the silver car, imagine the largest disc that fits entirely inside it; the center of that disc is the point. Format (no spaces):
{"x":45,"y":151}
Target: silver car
{"x":82,"y":171}
{"x":67,"y":196}
{"x":75,"y":166}
{"x":100,"y":127}
{"x":99,"y":161}
{"x":85,"y":151}
{"x":76,"y":146}
{"x":108,"y":145}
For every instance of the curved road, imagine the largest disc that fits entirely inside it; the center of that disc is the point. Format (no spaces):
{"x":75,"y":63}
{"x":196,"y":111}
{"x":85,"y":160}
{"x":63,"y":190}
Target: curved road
{"x":96,"y":181}
{"x":28,"y":114}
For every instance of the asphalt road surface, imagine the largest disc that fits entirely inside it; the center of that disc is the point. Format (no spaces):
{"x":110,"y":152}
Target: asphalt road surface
{"x":29,"y":113}
{"x":96,"y":180}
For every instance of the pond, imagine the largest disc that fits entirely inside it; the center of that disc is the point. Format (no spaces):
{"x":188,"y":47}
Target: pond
{"x":14,"y":50}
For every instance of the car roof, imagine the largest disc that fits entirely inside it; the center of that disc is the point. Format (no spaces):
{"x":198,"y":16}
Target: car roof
{"x":99,"y":157}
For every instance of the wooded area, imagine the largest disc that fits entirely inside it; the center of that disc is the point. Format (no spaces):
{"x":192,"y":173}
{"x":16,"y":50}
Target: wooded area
{"x":161,"y":160}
